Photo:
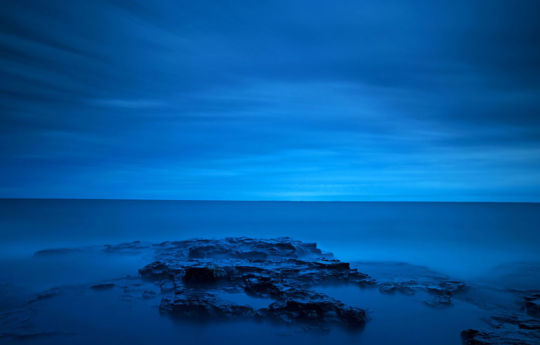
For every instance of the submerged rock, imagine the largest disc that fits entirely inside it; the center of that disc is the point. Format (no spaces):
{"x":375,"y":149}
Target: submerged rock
{"x":317,"y":312}
{"x":506,"y":329}
{"x":103,"y":286}
{"x":441,"y":293}
{"x":476,"y":337}
{"x":202,"y":275}
{"x":532,"y":305}
{"x":203,"y":306}
{"x":57,"y":251}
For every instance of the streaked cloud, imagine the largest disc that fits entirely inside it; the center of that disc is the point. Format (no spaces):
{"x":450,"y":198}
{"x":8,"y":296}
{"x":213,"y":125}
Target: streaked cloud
{"x":296,"y":100}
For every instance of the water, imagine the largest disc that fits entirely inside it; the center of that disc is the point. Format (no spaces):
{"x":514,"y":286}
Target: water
{"x":462,"y":239}
{"x":492,"y":246}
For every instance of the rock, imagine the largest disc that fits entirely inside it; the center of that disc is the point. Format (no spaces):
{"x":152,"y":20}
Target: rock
{"x":202,"y":275}
{"x":156,"y":271}
{"x":207,"y":251}
{"x":148,"y":294}
{"x":57,"y":251}
{"x":319,"y":312}
{"x":252,"y":255}
{"x":203,"y":306}
{"x":46,"y":295}
{"x":506,"y":329}
{"x":104,"y":286}
{"x":525,"y":323}
{"x":405,"y":288}
{"x":439,"y":301}
{"x":532,"y":305}
{"x":334,"y":265}
{"x":192,"y":274}
{"x":473,"y":337}
{"x":126,"y":248}
{"x":262,"y":287}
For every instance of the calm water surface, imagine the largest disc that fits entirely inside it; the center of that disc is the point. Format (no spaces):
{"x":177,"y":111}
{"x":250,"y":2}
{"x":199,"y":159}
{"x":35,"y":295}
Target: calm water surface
{"x":493,"y":245}
{"x":462,"y":239}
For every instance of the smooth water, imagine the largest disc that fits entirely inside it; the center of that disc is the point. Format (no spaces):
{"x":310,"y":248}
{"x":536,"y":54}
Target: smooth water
{"x":465,"y":240}
{"x":495,"y":246}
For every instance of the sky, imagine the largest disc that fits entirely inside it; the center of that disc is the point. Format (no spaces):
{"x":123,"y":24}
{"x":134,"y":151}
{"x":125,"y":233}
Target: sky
{"x":270,"y":100}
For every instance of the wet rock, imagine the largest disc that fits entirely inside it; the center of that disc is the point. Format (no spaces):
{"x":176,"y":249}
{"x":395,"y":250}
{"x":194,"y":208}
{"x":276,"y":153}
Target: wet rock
{"x":476,"y":337}
{"x":532,"y":305}
{"x":319,"y":312}
{"x":104,"y":286}
{"x":441,"y":293}
{"x":46,"y":295}
{"x":126,"y":248}
{"x":207,"y":251}
{"x":251,"y":255}
{"x":203,"y":306}
{"x":505,"y":329}
{"x":148,"y":294}
{"x":439,"y":301}
{"x":56,"y":251}
{"x":525,"y":323}
{"x":333,"y":265}
{"x":157,"y":271}
{"x":192,"y":274}
{"x":473,"y":337}
{"x":262,"y":287}
{"x":203,"y":275}
{"x":406,"y":288}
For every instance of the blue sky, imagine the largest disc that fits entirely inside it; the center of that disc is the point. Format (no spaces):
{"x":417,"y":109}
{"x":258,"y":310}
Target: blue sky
{"x":270,"y":100}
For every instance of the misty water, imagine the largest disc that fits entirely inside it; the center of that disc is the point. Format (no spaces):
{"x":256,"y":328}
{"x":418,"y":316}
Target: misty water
{"x":491,"y":246}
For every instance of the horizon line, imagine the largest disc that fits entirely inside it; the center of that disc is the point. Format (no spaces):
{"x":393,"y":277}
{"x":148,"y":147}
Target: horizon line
{"x":290,"y":201}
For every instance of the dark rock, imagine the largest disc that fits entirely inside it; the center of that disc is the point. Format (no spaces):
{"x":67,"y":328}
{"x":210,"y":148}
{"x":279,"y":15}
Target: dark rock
{"x":203,"y":306}
{"x":56,"y":251}
{"x":251,"y":255}
{"x":405,"y":288}
{"x":517,"y":320}
{"x":441,"y":292}
{"x":473,"y":337}
{"x":439,"y":301}
{"x":148,"y":294}
{"x":506,"y":329}
{"x":202,"y":275}
{"x":156,"y":271}
{"x":262,"y":287}
{"x":320,"y":313}
{"x":46,"y":295}
{"x":104,"y":286}
{"x":335,"y":265}
{"x":532,"y":305}
{"x":448,"y":287}
{"x":126,"y":248}
{"x":192,"y":273}
{"x":207,"y":251}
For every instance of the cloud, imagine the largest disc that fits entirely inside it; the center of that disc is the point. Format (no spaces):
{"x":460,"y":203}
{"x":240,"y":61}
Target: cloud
{"x":305,"y":99}
{"x":127,"y":103}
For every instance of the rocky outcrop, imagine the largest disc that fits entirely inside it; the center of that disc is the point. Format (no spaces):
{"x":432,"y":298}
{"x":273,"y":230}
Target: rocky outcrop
{"x":532,"y":304}
{"x":198,"y":272}
{"x":506,"y":329}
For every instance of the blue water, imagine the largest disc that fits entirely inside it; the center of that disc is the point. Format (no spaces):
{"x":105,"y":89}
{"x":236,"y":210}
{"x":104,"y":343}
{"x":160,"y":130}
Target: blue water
{"x":491,"y":246}
{"x":462,"y":239}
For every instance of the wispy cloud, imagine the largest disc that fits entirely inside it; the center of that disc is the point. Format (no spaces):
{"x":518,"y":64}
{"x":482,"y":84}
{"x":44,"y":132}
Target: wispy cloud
{"x":296,"y":100}
{"x":127,"y":103}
